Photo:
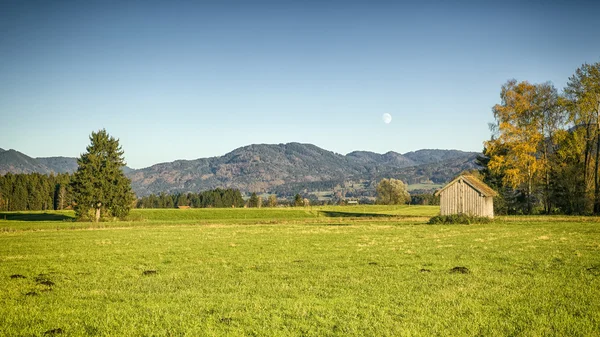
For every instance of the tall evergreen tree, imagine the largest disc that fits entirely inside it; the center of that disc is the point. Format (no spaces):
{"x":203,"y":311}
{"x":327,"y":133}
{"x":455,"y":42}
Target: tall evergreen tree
{"x":181,"y":200}
{"x":18,"y":201}
{"x":298,"y":200}
{"x":253,"y":202}
{"x":99,"y":185}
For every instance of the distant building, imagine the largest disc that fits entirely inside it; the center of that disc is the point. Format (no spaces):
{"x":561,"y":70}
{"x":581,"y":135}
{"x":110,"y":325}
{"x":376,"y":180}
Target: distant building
{"x":467,"y":195}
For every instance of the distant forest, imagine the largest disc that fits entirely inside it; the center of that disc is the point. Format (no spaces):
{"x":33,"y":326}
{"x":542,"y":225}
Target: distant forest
{"x":35,"y":192}
{"x":40,"y":192}
{"x":214,"y":198}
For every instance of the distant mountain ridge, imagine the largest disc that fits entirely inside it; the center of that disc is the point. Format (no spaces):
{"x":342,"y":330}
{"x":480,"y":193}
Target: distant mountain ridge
{"x":59,"y":164}
{"x":266,"y":167}
{"x":390,"y":158}
{"x":14,"y":161}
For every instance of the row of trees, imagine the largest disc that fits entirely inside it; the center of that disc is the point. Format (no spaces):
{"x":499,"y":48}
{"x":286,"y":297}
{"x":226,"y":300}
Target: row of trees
{"x":34,"y":192}
{"x":213,"y":198}
{"x":218,"y":198}
{"x":389,"y":192}
{"x":100,"y":189}
{"x":544,"y":154}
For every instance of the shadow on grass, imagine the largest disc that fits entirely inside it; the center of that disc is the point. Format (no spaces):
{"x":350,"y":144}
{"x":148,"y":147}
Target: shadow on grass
{"x":35,"y":217}
{"x":332,"y":214}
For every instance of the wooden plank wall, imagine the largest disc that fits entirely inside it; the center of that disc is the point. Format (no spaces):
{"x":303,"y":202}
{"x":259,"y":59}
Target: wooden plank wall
{"x":460,"y":198}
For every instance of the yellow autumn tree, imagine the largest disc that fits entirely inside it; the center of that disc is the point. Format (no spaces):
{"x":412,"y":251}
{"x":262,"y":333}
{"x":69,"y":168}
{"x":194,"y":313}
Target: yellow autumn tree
{"x":514,"y":148}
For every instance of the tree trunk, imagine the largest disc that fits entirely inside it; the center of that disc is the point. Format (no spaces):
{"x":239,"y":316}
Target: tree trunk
{"x":596,"y":182}
{"x":546,"y":179}
{"x":544,"y":143}
{"x":98,"y":206}
{"x":548,"y":199}
{"x":529,"y":204}
{"x":61,"y":197}
{"x":586,"y":165}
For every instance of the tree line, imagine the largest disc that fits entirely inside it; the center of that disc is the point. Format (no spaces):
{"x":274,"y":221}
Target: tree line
{"x":38,"y":192}
{"x":35,"y":192}
{"x":213,"y":198}
{"x":544,"y":153}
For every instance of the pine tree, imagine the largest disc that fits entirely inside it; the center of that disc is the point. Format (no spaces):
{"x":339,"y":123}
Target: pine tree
{"x":253,"y":202}
{"x":182,"y":200}
{"x":298,"y":200}
{"x":18,"y":201}
{"x":99,"y":185}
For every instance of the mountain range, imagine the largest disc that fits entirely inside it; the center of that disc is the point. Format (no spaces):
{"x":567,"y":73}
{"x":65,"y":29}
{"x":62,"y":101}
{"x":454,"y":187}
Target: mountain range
{"x":269,"y":167}
{"x":16,"y":162}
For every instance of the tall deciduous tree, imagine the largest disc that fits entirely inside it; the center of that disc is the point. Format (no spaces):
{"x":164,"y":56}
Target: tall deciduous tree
{"x":550,"y":116}
{"x":568,"y":185}
{"x":272,"y":201}
{"x":526,"y":121}
{"x":99,"y":185}
{"x":392,"y":192}
{"x":583,"y":103}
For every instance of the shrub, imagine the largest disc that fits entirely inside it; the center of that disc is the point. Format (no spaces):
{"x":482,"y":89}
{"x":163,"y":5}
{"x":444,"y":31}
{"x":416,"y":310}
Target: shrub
{"x":464,"y":219}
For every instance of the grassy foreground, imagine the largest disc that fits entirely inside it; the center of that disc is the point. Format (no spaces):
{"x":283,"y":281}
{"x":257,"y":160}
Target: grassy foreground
{"x":321,"y":272}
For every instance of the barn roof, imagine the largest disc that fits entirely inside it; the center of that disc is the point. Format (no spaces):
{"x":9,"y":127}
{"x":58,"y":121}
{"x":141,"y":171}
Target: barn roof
{"x":475,"y":183}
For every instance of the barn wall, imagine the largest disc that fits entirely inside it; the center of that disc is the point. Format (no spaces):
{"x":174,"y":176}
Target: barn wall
{"x":461,"y":198}
{"x":489,"y":210}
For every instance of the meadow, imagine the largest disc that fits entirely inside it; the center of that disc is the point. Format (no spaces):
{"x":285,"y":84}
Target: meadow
{"x":326,"y":271}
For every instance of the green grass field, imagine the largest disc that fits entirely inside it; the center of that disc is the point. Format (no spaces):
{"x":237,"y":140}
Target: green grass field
{"x":361,"y":270}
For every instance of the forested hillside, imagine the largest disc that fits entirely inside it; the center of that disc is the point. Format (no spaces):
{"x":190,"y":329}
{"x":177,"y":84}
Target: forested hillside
{"x":284,"y":169}
{"x":16,"y":162}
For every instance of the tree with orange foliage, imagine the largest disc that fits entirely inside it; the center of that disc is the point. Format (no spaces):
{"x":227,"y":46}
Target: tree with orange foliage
{"x":525,"y":122}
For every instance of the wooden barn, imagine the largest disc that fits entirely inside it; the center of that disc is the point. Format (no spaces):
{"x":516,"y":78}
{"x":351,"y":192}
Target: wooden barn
{"x":467,"y":195}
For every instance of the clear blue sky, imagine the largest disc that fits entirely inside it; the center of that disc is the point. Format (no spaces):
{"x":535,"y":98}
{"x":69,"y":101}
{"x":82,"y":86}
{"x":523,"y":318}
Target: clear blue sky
{"x":190,"y":79}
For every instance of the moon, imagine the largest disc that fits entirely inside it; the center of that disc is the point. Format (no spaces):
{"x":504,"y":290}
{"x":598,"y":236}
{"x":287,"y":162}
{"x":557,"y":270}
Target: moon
{"x":387,"y":118}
